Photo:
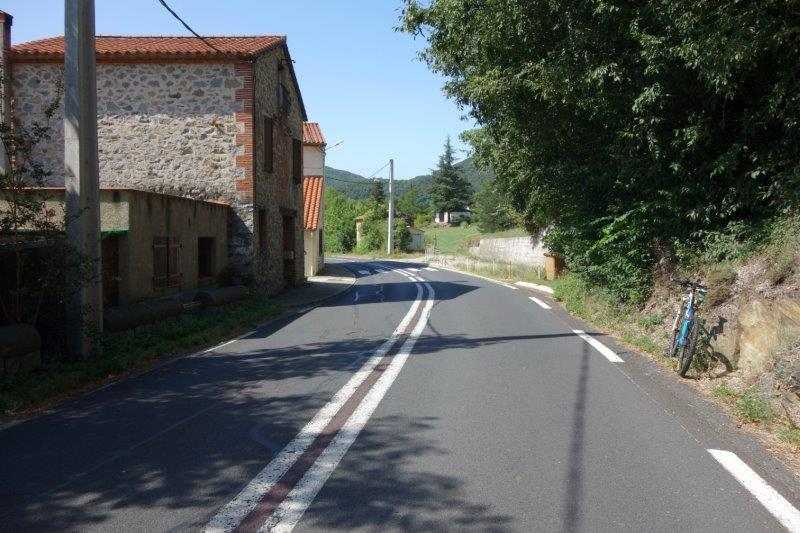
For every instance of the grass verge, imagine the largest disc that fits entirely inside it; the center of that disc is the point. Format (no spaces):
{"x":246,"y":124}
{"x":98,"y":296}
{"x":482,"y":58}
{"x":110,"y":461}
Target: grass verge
{"x":132,"y":351}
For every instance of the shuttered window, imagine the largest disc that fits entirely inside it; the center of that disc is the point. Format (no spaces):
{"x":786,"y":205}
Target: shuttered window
{"x":297,"y":160}
{"x":166,"y":262}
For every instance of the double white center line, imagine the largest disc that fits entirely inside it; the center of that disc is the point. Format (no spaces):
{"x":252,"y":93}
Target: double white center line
{"x":277,"y":497}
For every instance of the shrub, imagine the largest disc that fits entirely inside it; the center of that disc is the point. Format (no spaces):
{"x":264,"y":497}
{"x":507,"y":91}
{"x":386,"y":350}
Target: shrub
{"x":422,"y":220}
{"x":752,"y":407}
{"x":790,"y":435}
{"x":719,"y":278}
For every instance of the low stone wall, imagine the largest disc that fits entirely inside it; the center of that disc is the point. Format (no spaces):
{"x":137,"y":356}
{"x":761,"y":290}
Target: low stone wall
{"x":515,"y":250}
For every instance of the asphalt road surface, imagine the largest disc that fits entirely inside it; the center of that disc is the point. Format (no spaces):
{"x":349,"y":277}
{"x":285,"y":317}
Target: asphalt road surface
{"x":421,"y":400}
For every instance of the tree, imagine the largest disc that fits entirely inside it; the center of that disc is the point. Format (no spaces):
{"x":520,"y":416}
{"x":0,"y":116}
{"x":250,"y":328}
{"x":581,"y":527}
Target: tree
{"x":492,"y":209}
{"x":340,"y":222}
{"x":376,"y":193}
{"x":630,"y":129}
{"x":410,"y":205}
{"x":449,"y":190}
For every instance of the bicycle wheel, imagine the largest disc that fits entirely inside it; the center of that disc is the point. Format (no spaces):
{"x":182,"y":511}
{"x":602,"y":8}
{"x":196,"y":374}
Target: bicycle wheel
{"x":686,"y":353}
{"x":676,"y":327}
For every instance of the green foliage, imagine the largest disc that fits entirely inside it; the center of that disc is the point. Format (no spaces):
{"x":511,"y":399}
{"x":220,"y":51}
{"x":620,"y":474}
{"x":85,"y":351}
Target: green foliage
{"x":340,"y":222}
{"x":492,"y":210}
{"x":450,"y":240}
{"x":411,"y":204}
{"x":790,"y":435}
{"x":752,"y":407}
{"x":376,"y":193}
{"x":449,"y":190}
{"x":674,"y":118}
{"x":723,"y":392}
{"x":422,"y":220}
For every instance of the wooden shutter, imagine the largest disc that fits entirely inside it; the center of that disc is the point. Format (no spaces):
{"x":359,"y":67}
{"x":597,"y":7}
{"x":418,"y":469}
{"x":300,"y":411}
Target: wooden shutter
{"x":160,"y":262}
{"x":297,"y":160}
{"x":269,"y":144}
{"x":174,"y":263}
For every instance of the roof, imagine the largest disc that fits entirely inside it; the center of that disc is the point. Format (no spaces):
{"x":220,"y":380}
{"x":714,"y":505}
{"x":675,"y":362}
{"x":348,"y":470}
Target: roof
{"x":118,"y":47}
{"x":312,"y":134}
{"x":122,"y":48}
{"x":313,"y":187}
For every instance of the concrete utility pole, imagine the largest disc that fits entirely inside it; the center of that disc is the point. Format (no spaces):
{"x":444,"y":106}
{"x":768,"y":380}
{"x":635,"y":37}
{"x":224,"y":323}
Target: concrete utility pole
{"x":5,"y":73}
{"x":390,"y":236}
{"x":82,"y":180}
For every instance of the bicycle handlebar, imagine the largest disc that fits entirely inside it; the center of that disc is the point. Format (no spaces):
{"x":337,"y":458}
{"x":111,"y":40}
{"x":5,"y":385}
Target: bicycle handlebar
{"x":688,"y":283}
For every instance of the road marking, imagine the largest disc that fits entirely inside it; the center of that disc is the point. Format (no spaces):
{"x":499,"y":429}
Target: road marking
{"x":771,"y":499}
{"x":226,"y":343}
{"x":364,"y":272}
{"x":540,"y":303}
{"x":535,"y":286}
{"x":237,"y":509}
{"x":607,"y":352}
{"x":431,"y":269}
{"x":414,"y":269}
{"x":291,"y":510}
{"x":504,"y":284}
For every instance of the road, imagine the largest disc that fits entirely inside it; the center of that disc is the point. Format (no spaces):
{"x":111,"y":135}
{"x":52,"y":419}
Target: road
{"x":422,"y":399}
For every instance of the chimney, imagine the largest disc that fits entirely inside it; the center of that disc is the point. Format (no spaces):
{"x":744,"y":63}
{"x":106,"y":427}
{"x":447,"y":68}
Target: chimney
{"x":5,"y":81}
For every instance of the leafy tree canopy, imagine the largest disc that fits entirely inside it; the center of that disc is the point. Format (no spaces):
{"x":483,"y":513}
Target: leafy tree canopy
{"x":628,"y":128}
{"x":450,"y":191}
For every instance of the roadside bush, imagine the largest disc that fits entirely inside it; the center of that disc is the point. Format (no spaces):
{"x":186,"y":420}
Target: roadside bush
{"x":753,"y":408}
{"x":719,"y":278}
{"x":422,"y":220}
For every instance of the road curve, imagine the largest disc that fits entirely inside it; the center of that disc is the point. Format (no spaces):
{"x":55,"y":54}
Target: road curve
{"x":422,"y":399}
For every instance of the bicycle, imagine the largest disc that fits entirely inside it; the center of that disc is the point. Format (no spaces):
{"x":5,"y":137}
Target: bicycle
{"x":686,"y":327}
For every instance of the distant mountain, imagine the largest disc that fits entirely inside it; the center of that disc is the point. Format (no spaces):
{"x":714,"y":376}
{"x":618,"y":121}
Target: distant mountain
{"x":358,"y":187}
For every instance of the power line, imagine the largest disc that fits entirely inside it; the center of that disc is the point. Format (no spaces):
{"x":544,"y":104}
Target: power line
{"x":185,"y":25}
{"x":368,"y":182}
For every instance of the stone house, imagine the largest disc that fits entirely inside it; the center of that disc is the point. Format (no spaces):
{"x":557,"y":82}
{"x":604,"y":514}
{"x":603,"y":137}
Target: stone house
{"x":313,"y":196}
{"x":216,"y":120}
{"x":452,"y":218}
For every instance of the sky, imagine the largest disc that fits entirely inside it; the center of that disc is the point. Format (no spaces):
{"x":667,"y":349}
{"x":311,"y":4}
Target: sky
{"x":360,"y":79}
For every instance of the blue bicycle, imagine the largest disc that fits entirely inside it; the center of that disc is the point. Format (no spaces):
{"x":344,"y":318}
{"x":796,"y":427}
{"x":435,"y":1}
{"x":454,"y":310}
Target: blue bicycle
{"x":686,"y":327}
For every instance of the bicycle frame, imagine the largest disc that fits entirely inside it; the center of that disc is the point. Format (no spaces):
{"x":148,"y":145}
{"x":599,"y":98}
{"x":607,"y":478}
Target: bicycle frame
{"x":688,"y":320}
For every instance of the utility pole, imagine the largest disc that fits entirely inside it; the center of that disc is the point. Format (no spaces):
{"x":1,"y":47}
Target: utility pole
{"x":390,"y":236}
{"x":82,"y":180}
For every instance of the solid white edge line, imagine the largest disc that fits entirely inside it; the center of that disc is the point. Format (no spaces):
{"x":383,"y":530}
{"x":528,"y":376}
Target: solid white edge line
{"x":607,"y":352}
{"x":538,"y":302}
{"x":503,"y":283}
{"x":535,"y":286}
{"x":291,"y":510}
{"x":232,"y":514}
{"x":777,"y":505}
{"x":431,"y":269}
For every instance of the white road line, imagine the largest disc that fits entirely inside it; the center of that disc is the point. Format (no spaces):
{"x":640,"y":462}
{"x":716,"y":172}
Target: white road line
{"x":226,"y":343}
{"x":535,"y":286}
{"x":771,"y":499}
{"x":364,"y":272}
{"x":431,"y":269}
{"x":414,"y":269}
{"x":237,"y":510}
{"x":607,"y":352}
{"x":504,"y":284}
{"x":288,"y":514}
{"x":540,"y":303}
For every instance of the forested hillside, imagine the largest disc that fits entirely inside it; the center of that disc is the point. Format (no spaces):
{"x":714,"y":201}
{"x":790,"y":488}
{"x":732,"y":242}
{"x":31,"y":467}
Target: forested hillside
{"x":358,"y":187}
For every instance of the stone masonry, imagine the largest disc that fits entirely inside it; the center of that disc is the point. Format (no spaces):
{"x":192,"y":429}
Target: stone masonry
{"x":187,"y":129}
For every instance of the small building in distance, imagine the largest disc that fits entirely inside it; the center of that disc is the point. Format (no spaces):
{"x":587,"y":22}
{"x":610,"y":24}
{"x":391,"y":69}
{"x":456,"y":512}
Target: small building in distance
{"x":313,"y":197}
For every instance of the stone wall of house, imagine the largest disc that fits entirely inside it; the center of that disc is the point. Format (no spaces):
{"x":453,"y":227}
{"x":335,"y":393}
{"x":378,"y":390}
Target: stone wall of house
{"x":276,"y":194}
{"x":175,"y":128}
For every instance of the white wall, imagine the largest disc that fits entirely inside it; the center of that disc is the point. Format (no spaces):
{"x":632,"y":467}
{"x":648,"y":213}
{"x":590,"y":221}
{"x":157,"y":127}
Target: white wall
{"x":313,"y":161}
{"x":517,"y":250}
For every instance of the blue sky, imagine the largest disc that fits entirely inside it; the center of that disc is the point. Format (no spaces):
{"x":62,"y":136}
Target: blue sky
{"x":360,"y":79}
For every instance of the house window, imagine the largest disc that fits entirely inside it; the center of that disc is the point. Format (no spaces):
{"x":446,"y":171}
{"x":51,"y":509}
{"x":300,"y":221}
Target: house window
{"x":269,"y":144}
{"x":166,"y":261}
{"x":297,"y":160}
{"x":262,"y":231}
{"x":205,"y":257}
{"x":284,"y":99}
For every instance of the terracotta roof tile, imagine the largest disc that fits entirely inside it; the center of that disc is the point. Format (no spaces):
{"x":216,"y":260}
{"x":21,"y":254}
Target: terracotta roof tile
{"x":312,"y":134}
{"x":164,"y":47}
{"x":313,"y":187}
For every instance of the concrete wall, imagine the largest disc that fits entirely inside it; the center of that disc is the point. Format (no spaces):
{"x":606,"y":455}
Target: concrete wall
{"x":153,"y":215}
{"x":276,"y":192}
{"x":313,"y":161}
{"x":313,"y":259}
{"x":516,"y":250}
